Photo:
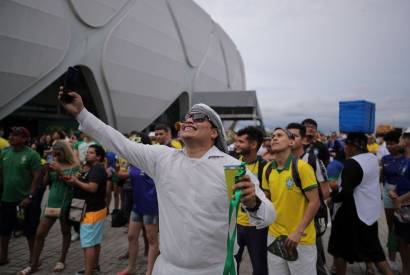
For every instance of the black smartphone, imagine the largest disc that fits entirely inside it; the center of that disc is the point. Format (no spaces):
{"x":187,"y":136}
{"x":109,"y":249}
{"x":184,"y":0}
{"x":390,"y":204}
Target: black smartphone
{"x":277,"y":247}
{"x":71,"y":83}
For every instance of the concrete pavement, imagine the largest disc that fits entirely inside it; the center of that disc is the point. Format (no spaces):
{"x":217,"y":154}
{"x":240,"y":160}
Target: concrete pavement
{"x":115,"y":244}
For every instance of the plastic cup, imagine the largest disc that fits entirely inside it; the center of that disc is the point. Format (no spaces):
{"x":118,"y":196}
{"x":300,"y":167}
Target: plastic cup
{"x":230,"y":172}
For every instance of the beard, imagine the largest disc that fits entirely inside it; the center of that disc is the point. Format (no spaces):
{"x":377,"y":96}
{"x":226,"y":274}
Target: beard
{"x":243,"y":152}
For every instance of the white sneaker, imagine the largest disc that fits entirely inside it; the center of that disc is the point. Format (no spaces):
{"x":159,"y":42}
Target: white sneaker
{"x":75,"y":237}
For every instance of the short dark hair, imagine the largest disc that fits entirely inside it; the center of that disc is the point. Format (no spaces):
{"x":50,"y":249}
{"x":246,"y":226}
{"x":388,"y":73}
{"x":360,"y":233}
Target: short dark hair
{"x":144,"y":138}
{"x":393,"y":136}
{"x":297,"y":126}
{"x":99,"y":151}
{"x":254,"y":134}
{"x":309,"y":121}
{"x":164,"y":127}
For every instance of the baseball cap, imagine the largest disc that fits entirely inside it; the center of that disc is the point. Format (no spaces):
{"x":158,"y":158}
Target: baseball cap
{"x":20,"y":131}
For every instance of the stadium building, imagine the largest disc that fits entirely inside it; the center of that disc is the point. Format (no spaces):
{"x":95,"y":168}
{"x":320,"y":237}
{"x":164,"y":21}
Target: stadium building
{"x":142,"y":61}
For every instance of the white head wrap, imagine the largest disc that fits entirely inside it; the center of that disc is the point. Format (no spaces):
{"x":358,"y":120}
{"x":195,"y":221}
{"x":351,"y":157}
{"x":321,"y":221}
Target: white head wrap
{"x":202,"y":108}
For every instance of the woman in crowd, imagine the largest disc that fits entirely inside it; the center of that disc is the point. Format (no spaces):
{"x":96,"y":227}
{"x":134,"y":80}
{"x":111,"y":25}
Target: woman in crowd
{"x":59,"y":197}
{"x":391,"y":168}
{"x":59,"y":135}
{"x":358,"y":202}
{"x":144,"y":214}
{"x":91,"y":187}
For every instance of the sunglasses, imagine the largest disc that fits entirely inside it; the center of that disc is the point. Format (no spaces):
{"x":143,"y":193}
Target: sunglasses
{"x":197,"y":117}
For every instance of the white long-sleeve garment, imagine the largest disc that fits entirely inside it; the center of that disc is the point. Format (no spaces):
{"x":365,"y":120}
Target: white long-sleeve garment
{"x":192,"y":199}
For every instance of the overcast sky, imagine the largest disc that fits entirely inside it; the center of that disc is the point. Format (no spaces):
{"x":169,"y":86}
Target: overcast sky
{"x":303,"y":57}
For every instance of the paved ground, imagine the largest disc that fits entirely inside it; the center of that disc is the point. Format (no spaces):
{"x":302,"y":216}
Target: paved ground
{"x":114,"y":244}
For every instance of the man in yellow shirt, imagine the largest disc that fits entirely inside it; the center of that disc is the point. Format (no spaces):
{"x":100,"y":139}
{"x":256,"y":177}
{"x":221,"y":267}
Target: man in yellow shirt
{"x":247,"y":143}
{"x":163,"y":136}
{"x":296,"y":207}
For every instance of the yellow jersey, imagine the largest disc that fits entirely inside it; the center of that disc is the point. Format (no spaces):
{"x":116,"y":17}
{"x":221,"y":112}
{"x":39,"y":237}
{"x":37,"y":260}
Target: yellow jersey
{"x":288,"y":199}
{"x":253,"y":167}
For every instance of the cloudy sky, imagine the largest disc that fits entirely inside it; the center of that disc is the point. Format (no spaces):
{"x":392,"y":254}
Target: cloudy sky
{"x":303,"y":57}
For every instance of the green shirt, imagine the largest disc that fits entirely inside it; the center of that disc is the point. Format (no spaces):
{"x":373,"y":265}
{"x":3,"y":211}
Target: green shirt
{"x":76,"y":144}
{"x":61,"y":193}
{"x":16,"y":168}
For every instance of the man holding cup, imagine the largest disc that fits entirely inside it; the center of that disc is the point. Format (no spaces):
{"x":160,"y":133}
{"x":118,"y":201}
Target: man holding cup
{"x":191,"y":188}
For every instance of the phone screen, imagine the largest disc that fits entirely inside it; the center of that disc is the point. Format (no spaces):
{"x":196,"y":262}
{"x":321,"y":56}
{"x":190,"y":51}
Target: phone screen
{"x":50,"y":158}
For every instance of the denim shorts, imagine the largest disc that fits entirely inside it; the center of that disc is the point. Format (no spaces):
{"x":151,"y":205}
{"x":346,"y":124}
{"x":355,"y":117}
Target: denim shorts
{"x":145,"y":219}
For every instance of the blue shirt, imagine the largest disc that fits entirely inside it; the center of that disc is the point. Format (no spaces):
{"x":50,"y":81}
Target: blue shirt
{"x":144,"y":192}
{"x":111,"y":159}
{"x":396,"y":171}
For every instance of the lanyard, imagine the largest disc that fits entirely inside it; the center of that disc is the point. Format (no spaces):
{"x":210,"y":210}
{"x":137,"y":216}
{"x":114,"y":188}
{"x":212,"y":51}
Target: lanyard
{"x":229,"y":268}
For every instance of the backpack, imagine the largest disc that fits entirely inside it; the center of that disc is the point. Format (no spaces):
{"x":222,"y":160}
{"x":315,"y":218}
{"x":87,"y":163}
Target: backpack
{"x":261,"y":165}
{"x":321,"y":217}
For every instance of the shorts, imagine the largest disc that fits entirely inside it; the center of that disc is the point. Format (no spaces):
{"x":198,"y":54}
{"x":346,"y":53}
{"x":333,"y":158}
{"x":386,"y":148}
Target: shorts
{"x":402,"y":230}
{"x":10,"y":223}
{"x":92,"y":228}
{"x":305,"y":264}
{"x":145,"y":219}
{"x":387,"y":201}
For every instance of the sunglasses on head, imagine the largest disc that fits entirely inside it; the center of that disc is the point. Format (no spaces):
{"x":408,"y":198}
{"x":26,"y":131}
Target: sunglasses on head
{"x":286,"y":131}
{"x":197,"y":117}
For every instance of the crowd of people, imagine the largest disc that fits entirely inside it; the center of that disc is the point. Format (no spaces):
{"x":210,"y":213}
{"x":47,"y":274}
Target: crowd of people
{"x":298,"y":183}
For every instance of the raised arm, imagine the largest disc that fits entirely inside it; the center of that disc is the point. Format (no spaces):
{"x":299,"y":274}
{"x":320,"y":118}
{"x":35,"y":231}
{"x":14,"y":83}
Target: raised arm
{"x":142,"y":156}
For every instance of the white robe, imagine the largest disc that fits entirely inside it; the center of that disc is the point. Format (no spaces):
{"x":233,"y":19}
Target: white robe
{"x":192,"y":200}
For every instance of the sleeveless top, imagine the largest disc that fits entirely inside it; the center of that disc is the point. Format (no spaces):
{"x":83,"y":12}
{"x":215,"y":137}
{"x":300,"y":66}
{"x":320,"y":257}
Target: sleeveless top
{"x":367,"y":195}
